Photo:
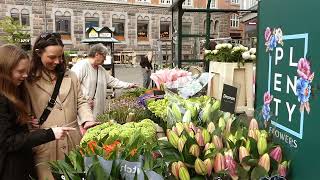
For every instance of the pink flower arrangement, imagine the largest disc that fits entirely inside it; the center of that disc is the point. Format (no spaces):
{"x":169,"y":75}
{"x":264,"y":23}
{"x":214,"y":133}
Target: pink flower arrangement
{"x":304,"y":70}
{"x":267,"y":98}
{"x":164,"y":76}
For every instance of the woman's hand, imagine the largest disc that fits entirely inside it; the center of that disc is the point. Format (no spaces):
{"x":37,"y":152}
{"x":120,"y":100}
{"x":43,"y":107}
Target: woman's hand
{"x":61,"y":132}
{"x":86,"y":125}
{"x":34,"y":122}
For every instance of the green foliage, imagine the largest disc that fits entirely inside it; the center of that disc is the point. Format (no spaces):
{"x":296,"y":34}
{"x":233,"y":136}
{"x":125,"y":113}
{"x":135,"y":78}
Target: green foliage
{"x":14,"y":32}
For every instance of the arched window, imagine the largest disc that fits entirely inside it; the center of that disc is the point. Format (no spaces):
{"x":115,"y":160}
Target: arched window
{"x":25,"y":19}
{"x":63,"y":24}
{"x":165,"y":24}
{"x":15,"y":15}
{"x":91,"y":20}
{"x":119,"y":24}
{"x":143,"y":28}
{"x":234,"y":21}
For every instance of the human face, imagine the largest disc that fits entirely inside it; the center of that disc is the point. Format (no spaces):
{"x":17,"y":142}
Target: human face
{"x":51,"y":57}
{"x":100,"y":57}
{"x":20,"y":71}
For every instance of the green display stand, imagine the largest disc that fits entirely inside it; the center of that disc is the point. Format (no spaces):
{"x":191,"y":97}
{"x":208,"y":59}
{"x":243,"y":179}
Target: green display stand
{"x":298,"y":131}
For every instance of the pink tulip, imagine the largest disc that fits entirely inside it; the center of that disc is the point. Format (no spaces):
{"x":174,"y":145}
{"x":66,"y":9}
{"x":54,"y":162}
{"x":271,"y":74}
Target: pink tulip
{"x":231,"y":166}
{"x":276,"y":154}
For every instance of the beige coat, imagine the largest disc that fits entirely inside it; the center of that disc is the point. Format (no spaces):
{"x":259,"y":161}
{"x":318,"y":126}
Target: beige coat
{"x":69,"y":104}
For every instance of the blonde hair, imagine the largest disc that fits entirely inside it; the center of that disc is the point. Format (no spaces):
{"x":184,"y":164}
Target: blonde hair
{"x":10,"y":56}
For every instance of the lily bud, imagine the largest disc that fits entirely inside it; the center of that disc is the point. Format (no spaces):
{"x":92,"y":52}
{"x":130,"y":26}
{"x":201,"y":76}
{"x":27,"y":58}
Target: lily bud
{"x":276,"y":154}
{"x":194,"y":150}
{"x":181,"y":142}
{"x":179,"y":128}
{"x":193,"y":127}
{"x":252,"y":133}
{"x":184,"y":174}
{"x":217,"y":142}
{"x":211,"y":127}
{"x":199,"y":138}
{"x":228,"y":125}
{"x":218,"y":164}
{"x":209,"y":146}
{"x":243,"y":153}
{"x":200,"y":167}
{"x":248,"y":146}
{"x":221,"y":123}
{"x":209,"y":164}
{"x":175,"y":169}
{"x":264,"y":162}
{"x":262,"y":145}
{"x":191,"y":134}
{"x":173,"y":138}
{"x":253,"y":124}
{"x":283,"y":168}
{"x":206,"y":136}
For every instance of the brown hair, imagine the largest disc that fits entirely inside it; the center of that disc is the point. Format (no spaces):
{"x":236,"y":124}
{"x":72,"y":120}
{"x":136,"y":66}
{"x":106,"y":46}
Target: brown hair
{"x":43,"y":41}
{"x":10,"y":56}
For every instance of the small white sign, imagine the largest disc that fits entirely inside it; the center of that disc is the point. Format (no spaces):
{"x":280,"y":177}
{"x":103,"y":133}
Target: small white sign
{"x":105,"y":35}
{"x":107,"y":60}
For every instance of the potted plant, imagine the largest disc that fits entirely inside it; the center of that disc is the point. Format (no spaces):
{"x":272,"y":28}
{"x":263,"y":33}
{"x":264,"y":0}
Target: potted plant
{"x":232,"y":65}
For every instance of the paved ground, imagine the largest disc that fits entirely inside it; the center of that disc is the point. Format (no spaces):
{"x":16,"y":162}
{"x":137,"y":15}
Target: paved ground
{"x":128,"y":74}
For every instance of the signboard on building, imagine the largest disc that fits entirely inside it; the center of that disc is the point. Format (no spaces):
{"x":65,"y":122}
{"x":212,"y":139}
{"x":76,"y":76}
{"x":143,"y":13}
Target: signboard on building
{"x":288,"y":81}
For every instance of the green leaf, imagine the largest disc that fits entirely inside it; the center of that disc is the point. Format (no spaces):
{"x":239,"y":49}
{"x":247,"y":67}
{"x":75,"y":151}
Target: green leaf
{"x":258,"y":172}
{"x":242,"y":173}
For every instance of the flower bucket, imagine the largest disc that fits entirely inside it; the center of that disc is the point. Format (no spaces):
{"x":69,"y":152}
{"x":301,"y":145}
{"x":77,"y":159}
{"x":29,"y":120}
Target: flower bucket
{"x":241,"y":77}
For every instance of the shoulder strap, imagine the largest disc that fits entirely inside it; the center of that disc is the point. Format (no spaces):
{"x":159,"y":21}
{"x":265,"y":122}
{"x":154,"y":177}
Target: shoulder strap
{"x":95,"y":89}
{"x":52,"y":100}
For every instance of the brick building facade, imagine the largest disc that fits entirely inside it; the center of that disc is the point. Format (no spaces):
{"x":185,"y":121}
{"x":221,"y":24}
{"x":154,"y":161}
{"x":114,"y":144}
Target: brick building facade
{"x":138,"y":23}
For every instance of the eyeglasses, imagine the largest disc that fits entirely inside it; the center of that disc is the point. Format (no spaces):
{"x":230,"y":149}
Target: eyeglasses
{"x":47,"y":35}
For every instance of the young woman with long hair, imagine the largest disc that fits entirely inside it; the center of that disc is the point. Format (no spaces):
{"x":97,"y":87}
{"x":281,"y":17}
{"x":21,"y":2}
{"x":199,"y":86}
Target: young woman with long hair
{"x":70,"y":108}
{"x":16,"y":157}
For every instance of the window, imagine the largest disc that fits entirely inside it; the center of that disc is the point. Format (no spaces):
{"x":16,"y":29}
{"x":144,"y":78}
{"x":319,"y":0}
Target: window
{"x":63,"y":24}
{"x":186,"y":27}
{"x":213,"y":4}
{"x":14,"y":13}
{"x":187,"y":3}
{"x":234,"y":21}
{"x":119,"y":24}
{"x":165,"y":28}
{"x":235,"y":1}
{"x":25,"y":20}
{"x":166,"y":2}
{"x":91,"y":20}
{"x":145,"y":1}
{"x":143,"y":28}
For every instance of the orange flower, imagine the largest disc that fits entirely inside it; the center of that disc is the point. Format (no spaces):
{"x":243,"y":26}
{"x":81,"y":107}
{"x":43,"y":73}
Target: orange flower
{"x":133,"y":151}
{"x":116,"y":142}
{"x":92,"y":145}
{"x":109,"y":148}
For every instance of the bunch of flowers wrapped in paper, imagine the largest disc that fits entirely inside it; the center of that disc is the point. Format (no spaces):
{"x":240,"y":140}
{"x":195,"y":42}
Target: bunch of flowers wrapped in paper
{"x":171,"y":78}
{"x":224,"y":149}
{"x":227,"y":52}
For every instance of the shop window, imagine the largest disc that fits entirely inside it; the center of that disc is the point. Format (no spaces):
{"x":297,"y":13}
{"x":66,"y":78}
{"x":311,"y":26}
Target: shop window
{"x":143,"y":30}
{"x":166,"y":2}
{"x":187,"y":3}
{"x":91,"y":20}
{"x":63,"y":24}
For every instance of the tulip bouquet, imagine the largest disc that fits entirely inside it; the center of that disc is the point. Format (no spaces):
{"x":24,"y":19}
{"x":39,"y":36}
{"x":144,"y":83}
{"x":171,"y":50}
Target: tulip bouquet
{"x":171,"y":78}
{"x":227,"y":149}
{"x":227,"y":52}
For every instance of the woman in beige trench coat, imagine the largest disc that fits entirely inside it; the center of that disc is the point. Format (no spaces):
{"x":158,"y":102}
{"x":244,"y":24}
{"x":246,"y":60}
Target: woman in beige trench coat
{"x":70,"y":108}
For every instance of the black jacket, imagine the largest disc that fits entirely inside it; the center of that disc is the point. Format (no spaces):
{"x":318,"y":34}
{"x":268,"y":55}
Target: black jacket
{"x":16,"y":143}
{"x":145,"y":63}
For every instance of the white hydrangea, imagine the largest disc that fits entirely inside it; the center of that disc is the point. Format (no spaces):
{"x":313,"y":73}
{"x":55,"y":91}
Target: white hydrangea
{"x":207,"y":51}
{"x":218,"y":46}
{"x":252,"y":57}
{"x":229,"y":45}
{"x":253,"y":50}
{"x":215,"y":51}
{"x":246,"y":55}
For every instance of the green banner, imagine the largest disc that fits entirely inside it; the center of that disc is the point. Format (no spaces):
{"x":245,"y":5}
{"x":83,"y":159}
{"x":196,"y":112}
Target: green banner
{"x":287,"y":64}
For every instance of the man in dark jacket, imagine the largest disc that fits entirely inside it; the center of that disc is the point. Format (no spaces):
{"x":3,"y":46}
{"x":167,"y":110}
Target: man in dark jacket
{"x":146,"y":66}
